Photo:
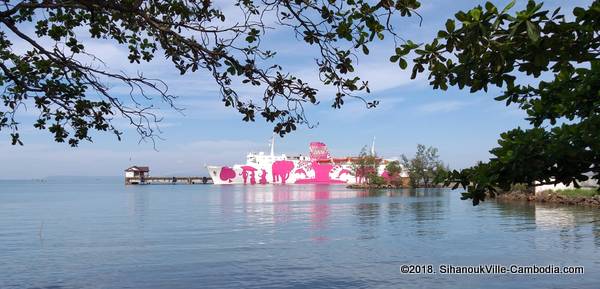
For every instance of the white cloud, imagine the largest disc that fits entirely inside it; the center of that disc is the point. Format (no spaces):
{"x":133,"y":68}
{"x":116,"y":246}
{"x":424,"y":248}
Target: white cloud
{"x":443,"y":106}
{"x":355,"y":109}
{"x":179,"y":159}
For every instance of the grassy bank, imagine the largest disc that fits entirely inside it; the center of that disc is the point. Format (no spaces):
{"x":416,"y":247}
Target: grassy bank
{"x":578,"y":192}
{"x":581,"y":197}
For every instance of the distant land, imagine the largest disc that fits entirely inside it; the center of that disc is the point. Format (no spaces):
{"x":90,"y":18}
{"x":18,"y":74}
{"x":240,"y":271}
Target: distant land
{"x":71,"y":179}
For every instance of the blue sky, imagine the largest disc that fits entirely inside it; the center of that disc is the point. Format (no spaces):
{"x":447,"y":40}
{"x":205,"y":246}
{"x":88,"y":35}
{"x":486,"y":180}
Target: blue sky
{"x":463,"y":126}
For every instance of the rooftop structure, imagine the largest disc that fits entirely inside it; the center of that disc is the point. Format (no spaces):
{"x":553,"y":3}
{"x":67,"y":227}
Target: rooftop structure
{"x":137,"y":172}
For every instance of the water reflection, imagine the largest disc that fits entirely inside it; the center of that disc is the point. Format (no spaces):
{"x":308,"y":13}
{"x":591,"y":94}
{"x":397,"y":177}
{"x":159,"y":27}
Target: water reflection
{"x":424,"y":214}
{"x":139,"y":201}
{"x":395,"y":211}
{"x":368,"y":219}
{"x":510,"y":209}
{"x":564,"y":226}
{"x":320,"y":210}
{"x":596,"y":229}
{"x":547,"y":218}
{"x":279,"y":204}
{"x":228,"y":201}
{"x":282,"y":236}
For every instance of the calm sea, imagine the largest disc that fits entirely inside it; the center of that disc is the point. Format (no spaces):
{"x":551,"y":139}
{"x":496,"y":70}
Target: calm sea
{"x":102,"y":234}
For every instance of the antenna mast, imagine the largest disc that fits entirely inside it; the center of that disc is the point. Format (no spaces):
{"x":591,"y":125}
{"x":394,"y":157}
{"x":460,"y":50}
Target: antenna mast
{"x":272,"y":145}
{"x":373,"y":147}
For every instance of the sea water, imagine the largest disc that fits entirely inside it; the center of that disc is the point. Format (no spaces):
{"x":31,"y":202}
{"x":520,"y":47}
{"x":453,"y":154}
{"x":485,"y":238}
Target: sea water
{"x":102,"y":234}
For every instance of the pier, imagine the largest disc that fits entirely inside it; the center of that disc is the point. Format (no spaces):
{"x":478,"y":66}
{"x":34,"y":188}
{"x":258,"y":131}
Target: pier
{"x":168,"y":180}
{"x":138,"y":175}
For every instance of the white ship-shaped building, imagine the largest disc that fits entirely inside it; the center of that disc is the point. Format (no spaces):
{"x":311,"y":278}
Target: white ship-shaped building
{"x":317,"y":168}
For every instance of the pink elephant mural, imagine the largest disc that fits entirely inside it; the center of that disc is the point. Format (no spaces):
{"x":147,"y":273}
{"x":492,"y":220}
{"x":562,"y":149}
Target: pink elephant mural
{"x":318,"y":151}
{"x":301,"y":171}
{"x":249,"y":170}
{"x":319,"y":156}
{"x":343,"y":171}
{"x":321,"y":175}
{"x":263,"y":177}
{"x":227,"y":174}
{"x":281,"y":171}
{"x":322,"y":172}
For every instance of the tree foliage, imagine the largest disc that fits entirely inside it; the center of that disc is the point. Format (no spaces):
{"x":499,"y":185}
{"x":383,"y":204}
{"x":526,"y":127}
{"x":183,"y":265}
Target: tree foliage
{"x":69,"y":87}
{"x":425,"y":168}
{"x":441,"y":173}
{"x":393,"y":168}
{"x":394,"y":171}
{"x":365,"y":167}
{"x":490,"y":46}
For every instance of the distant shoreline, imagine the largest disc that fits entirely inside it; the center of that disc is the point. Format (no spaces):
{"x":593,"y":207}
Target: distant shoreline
{"x":375,"y":187}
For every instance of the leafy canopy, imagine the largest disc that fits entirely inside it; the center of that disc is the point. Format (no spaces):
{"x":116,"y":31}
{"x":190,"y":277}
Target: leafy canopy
{"x":393,"y":168}
{"x":58,"y":77}
{"x":365,"y":166}
{"x":488,"y":46}
{"x":425,"y":168}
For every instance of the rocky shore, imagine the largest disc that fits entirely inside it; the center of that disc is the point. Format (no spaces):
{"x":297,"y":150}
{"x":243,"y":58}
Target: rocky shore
{"x":551,"y":198}
{"x":375,"y":187}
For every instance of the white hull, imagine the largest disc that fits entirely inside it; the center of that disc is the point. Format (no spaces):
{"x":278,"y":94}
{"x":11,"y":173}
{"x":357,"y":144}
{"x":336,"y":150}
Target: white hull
{"x":318,"y":168}
{"x":297,"y":174}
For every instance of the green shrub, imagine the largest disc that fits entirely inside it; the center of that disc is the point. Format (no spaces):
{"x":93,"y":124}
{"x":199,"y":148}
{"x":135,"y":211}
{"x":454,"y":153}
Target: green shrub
{"x":578,"y":192}
{"x":376,"y":180}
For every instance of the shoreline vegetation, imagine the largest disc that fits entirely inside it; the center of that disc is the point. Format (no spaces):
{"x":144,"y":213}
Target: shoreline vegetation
{"x":588,"y":197}
{"x":377,"y":186}
{"x":425,"y":169}
{"x":569,"y":197}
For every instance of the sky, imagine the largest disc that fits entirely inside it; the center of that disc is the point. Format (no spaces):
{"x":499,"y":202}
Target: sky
{"x":463,"y":126}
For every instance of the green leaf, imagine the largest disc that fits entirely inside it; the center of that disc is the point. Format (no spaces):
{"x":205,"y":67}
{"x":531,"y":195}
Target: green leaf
{"x":578,"y":11}
{"x":533,"y":32}
{"x":403,"y":63}
{"x":365,"y":49}
{"x":475,"y":13}
{"x":450,"y":25}
{"x":510,"y":5}
{"x":461,"y":16}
